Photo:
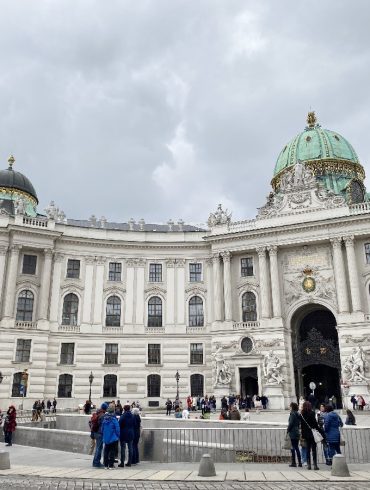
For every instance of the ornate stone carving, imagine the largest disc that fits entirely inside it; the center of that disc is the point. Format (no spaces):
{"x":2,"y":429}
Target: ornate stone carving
{"x":221,"y":368}
{"x":226,"y":256}
{"x":138,"y":262}
{"x":20,"y":206}
{"x":261,"y":252}
{"x":195,"y":290}
{"x":323,"y":286}
{"x":170,"y":263}
{"x":155,"y":290}
{"x":272,"y":250}
{"x":272,"y":369}
{"x":54,"y":213}
{"x":354,"y":367}
{"x":261,"y":344}
{"x":180,"y":262}
{"x":349,"y":339}
{"x":219,"y":217}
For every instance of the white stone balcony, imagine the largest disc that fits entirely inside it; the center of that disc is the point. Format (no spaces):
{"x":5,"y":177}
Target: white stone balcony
{"x":69,"y":328}
{"x":155,"y":330}
{"x":112,"y":330}
{"x":245,"y":325}
{"x":195,"y":330}
{"x":26,"y":325}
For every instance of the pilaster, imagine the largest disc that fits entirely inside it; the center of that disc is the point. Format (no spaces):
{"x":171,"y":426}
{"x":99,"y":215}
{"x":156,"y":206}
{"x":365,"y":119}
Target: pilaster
{"x":99,"y":285}
{"x":275,"y":283}
{"x":3,"y":252}
{"x":45,"y":284}
{"x":226,"y":257}
{"x":353,"y":273}
{"x":340,"y":276}
{"x":217,"y":287}
{"x":265,"y":300}
{"x":11,"y":281}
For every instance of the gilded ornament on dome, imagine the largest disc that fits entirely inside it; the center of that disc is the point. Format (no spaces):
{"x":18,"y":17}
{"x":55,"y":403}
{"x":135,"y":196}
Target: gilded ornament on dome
{"x":311,"y":119}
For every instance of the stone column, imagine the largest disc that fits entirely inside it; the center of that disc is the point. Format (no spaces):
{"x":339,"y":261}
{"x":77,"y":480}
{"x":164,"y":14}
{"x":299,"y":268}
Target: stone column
{"x":99,"y":285}
{"x":130,"y":285}
{"x":171,"y":292}
{"x":55,"y":287}
{"x":45,"y":285}
{"x":275,"y":283}
{"x":353,"y":273}
{"x":217,"y":287}
{"x":226,"y":257}
{"x":3,"y":251}
{"x":265,"y":302}
{"x":88,"y":292}
{"x":180,"y":282}
{"x":140,"y":283}
{"x":340,"y":276}
{"x":11,"y":281}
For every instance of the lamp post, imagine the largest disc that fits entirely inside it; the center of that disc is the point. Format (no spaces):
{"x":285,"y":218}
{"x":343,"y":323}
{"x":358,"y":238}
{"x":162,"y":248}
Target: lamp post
{"x":91,"y":379}
{"x":177,"y":377}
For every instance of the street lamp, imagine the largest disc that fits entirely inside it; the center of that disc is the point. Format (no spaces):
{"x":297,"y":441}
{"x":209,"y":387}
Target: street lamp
{"x":91,"y":379}
{"x":1,"y":377}
{"x":177,"y":377}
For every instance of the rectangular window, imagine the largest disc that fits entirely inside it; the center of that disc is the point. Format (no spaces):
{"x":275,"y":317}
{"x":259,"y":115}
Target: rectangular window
{"x":29,"y":264}
{"x":73,"y":268}
{"x":23,"y":352}
{"x":154,"y":353}
{"x":155,"y":272}
{"x":196,"y":353}
{"x":246,"y":266}
{"x":115,"y":269}
{"x":67,"y":352}
{"x":367,"y":252}
{"x":195,"y":272}
{"x":111,"y":354}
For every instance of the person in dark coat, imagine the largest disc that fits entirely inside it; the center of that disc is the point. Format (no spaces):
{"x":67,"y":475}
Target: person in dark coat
{"x":350,"y":419}
{"x":308,"y":423}
{"x":126,"y":423}
{"x":294,"y":424}
{"x":332,"y":424}
{"x":10,"y":424}
{"x":137,"y":430}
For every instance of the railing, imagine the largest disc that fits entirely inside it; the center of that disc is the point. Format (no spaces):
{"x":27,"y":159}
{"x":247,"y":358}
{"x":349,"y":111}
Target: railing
{"x":26,"y":325}
{"x":42,"y":223}
{"x":113,"y":330}
{"x":245,"y":325}
{"x":158,"y":330}
{"x":239,"y":445}
{"x":192,"y":330}
{"x":362,"y":207}
{"x":27,"y":418}
{"x":69,"y":328}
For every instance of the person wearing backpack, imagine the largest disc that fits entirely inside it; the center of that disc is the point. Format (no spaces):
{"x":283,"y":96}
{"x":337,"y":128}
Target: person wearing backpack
{"x":332,"y":424}
{"x":97,"y":433}
{"x":111,"y":433}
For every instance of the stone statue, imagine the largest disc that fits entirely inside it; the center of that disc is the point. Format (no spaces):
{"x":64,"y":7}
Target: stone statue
{"x":298,"y":173}
{"x":272,"y":369}
{"x":355,"y":366}
{"x":54,"y":213}
{"x":221,"y":368}
{"x":219,"y":217}
{"x":20,"y":206}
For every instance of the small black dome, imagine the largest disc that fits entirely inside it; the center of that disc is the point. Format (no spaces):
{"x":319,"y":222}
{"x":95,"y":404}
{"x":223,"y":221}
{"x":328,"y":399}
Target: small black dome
{"x":11,"y":179}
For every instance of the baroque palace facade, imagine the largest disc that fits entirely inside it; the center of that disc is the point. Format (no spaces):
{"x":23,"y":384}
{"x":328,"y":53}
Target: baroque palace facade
{"x":268,"y":305}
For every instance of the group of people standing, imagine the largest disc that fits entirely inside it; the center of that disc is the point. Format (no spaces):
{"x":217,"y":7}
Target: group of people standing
{"x":40,"y":407}
{"x":113,"y":429}
{"x":358,"y":402}
{"x":305,"y":429}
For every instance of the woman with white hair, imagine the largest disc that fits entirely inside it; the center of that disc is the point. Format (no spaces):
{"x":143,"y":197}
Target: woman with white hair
{"x":137,"y":429}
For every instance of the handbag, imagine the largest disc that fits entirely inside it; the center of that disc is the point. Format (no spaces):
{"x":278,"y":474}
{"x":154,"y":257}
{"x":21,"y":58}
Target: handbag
{"x":287,"y":443}
{"x":315,"y":433}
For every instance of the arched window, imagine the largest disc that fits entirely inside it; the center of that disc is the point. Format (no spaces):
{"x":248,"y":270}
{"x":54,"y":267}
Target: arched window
{"x":154,"y":385}
{"x":19,"y":388}
{"x":155,"y":312}
{"x":113,"y":312}
{"x":196,"y":316}
{"x":197,"y":385}
{"x":249,"y":307}
{"x":70,"y":310}
{"x":110,"y":386}
{"x":65,"y":386}
{"x":25,"y":306}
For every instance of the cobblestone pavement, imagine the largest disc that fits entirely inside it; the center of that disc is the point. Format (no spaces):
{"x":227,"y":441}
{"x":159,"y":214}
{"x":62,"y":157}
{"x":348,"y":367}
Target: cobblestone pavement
{"x":16,"y":483}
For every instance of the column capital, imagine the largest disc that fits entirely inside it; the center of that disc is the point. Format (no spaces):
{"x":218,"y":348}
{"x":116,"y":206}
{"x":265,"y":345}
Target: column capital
{"x":3,"y":250}
{"x":48,"y":252}
{"x":349,"y":240}
{"x":170,"y":263}
{"x":336,"y":241}
{"x":216,"y":258}
{"x":272,"y":249}
{"x":90,"y":260}
{"x":100,"y":260}
{"x":15,"y":248}
{"x":226,"y":256}
{"x":58,"y":257}
{"x":180,"y":262}
{"x":261,"y":252}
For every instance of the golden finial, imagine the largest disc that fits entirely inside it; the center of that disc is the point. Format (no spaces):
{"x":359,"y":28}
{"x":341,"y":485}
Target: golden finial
{"x":11,"y":161}
{"x":311,"y":119}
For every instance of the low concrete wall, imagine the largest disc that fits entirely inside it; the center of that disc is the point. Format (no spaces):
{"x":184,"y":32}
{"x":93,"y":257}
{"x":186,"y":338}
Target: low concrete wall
{"x":62,"y":440}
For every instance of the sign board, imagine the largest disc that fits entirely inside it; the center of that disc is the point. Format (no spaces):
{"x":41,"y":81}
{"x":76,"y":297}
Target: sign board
{"x":21,"y":389}
{"x":312,"y":385}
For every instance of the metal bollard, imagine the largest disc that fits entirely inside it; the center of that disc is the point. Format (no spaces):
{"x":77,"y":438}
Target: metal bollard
{"x":339,"y":467}
{"x":206,"y":466}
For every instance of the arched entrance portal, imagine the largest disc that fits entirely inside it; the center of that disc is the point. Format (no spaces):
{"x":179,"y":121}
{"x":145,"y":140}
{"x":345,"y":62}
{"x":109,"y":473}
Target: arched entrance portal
{"x":316,"y":353}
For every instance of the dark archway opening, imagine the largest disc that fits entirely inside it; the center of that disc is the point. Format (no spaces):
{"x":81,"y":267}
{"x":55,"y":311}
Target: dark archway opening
{"x":316,"y":355}
{"x":248,"y":382}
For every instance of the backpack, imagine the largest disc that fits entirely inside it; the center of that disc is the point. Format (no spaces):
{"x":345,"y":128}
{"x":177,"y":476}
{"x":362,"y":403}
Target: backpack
{"x":94,"y":422}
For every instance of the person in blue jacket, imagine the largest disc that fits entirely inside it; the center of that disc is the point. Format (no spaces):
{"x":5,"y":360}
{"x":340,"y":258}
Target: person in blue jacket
{"x":332,"y":423}
{"x":126,"y":424}
{"x":111,"y":433}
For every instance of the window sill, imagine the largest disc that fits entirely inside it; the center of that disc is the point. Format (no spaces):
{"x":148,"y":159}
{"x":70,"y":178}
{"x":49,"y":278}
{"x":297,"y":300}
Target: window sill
{"x":66,"y":365}
{"x":153,"y":365}
{"x":110,"y":365}
{"x":22,"y":362}
{"x":196,"y":364}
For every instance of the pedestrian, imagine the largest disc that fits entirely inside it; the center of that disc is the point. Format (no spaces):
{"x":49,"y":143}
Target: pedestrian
{"x":354,"y":402}
{"x":48,"y":406}
{"x":96,"y":429}
{"x":168,"y":406}
{"x":54,"y":406}
{"x":10,"y":424}
{"x":308,"y":423}
{"x":126,"y":424}
{"x":111,"y":434}
{"x":264,"y":401}
{"x":234,"y":413}
{"x":294,"y":424}
{"x":320,"y":420}
{"x":137,"y":433}
{"x":350,"y":419}
{"x":332,"y":423}
{"x":87,"y":407}
{"x":360,"y":402}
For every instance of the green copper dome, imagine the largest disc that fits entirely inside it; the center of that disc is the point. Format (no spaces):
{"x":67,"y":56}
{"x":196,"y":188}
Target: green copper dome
{"x":315,"y":143}
{"x":329,"y":156}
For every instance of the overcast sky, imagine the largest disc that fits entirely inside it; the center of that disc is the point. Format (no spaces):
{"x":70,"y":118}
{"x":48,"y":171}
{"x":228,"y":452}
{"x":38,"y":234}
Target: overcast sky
{"x":161,"y":109}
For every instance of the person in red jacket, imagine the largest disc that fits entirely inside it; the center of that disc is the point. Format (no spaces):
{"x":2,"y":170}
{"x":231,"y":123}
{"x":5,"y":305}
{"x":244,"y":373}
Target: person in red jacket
{"x":10,"y":424}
